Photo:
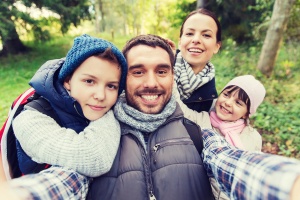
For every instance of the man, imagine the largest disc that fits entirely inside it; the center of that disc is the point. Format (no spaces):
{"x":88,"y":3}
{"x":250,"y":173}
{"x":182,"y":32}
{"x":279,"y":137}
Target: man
{"x":156,"y":158}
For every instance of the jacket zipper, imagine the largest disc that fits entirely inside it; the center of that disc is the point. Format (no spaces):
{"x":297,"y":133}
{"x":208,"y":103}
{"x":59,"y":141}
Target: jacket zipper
{"x":150,"y":186}
{"x":146,"y":165}
{"x":171,"y":142}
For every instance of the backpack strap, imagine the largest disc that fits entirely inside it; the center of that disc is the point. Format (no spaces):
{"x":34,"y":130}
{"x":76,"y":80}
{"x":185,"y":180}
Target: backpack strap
{"x":40,"y":104}
{"x":194,"y":131}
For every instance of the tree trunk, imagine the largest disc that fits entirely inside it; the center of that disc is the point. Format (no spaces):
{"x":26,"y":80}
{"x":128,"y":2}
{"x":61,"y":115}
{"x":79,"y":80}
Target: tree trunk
{"x":270,"y":49}
{"x":97,"y":17}
{"x":12,"y":44}
{"x":103,"y":24}
{"x":200,"y":4}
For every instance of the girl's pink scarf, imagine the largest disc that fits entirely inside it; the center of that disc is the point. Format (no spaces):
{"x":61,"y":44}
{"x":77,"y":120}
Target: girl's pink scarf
{"x":231,"y":130}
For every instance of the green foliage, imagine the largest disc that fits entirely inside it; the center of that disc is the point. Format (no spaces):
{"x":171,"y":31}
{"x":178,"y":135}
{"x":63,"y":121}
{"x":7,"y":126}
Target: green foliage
{"x":15,"y":18}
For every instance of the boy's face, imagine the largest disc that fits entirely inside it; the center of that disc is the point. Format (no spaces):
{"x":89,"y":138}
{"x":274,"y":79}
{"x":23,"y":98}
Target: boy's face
{"x":229,"y":107}
{"x":149,"y":79}
{"x":94,"y":84}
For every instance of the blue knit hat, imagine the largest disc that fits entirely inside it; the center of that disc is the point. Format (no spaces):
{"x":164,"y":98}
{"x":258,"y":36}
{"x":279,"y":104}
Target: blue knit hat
{"x":86,"y":46}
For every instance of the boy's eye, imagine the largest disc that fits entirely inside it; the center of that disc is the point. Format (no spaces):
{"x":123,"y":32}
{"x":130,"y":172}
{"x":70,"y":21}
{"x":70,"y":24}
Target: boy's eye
{"x":111,"y":86}
{"x":89,"y":81}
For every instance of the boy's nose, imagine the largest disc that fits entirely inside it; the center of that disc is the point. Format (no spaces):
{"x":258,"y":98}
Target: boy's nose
{"x":99,"y":94}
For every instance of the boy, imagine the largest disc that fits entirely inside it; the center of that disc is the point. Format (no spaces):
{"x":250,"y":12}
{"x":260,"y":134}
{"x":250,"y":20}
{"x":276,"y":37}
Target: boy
{"x":81,"y":89}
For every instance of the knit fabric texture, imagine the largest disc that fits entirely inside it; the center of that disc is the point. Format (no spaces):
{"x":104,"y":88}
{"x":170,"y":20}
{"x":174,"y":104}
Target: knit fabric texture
{"x":230,"y":130}
{"x":90,"y":152}
{"x":85,"y":46}
{"x":142,"y":121}
{"x":187,"y":81}
{"x":254,"y":89}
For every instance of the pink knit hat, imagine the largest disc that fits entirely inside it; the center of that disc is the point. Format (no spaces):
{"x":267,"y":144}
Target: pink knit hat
{"x":254,"y":89}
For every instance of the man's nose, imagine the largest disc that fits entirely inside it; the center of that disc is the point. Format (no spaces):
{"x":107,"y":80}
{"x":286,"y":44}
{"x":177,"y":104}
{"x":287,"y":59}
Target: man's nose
{"x":151,"y":80}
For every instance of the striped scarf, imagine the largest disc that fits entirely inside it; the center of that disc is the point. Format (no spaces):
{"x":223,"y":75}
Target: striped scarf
{"x":187,"y":81}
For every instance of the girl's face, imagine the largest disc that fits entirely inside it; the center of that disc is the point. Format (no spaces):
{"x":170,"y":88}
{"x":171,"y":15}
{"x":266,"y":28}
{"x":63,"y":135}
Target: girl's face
{"x":229,"y":107}
{"x":94,"y":85}
{"x":198,"y":42}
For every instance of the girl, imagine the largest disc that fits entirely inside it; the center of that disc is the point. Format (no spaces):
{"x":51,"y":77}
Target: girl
{"x":238,"y":101}
{"x":81,"y":89}
{"x":200,"y":39}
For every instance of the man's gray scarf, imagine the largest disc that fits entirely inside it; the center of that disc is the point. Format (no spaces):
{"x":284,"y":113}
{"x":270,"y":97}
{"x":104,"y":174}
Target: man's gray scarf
{"x":140,"y":121}
{"x":187,"y":81}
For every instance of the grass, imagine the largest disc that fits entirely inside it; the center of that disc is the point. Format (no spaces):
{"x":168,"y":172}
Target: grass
{"x":277,"y":119}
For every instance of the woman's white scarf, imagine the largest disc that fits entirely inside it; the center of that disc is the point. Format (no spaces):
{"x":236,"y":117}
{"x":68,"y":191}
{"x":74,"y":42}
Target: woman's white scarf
{"x":187,"y":81}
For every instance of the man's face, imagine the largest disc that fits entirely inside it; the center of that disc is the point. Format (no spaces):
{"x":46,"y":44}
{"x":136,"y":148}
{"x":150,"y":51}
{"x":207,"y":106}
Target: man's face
{"x":149,"y":79}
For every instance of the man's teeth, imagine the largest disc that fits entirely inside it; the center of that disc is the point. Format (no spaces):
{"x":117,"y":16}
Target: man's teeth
{"x":149,"y":97}
{"x":196,"y":50}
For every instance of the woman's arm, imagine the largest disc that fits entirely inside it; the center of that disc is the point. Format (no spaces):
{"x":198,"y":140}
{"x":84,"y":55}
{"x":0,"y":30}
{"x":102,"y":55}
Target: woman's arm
{"x":200,"y":118}
{"x":90,"y":152}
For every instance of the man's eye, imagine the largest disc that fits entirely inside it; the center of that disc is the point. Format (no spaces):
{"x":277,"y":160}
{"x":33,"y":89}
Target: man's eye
{"x":138,"y":72}
{"x":162,"y":72}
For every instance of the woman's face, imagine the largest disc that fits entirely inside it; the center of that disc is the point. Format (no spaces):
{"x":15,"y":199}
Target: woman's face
{"x":198,"y":42}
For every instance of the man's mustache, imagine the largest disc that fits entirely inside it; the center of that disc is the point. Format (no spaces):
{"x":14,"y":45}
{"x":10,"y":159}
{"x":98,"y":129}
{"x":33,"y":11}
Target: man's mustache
{"x":150,"y":91}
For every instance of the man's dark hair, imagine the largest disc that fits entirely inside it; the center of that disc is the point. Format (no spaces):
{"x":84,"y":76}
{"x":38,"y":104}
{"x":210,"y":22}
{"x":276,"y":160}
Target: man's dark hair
{"x":152,"y":41}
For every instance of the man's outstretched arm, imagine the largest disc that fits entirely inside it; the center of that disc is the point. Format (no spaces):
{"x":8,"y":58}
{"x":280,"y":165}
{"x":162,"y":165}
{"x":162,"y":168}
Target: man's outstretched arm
{"x":249,"y":175}
{"x":53,"y":183}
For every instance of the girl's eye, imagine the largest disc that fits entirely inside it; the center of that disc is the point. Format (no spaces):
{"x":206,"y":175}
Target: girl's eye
{"x":207,"y":35}
{"x":240,"y":102}
{"x":225,"y":94}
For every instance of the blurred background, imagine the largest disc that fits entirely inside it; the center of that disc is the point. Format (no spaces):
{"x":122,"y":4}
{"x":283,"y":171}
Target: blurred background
{"x":259,"y":37}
